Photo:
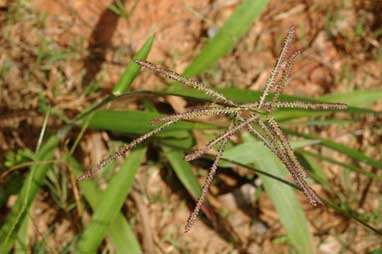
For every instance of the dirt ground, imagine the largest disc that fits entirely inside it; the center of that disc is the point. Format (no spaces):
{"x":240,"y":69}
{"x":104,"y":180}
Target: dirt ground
{"x":342,"y":45}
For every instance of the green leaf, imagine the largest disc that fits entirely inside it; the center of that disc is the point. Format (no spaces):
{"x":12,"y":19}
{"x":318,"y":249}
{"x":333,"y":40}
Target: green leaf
{"x":183,"y":170}
{"x":352,"y":153}
{"x":22,"y":243}
{"x":27,"y":194}
{"x":342,"y":164}
{"x":317,"y":173}
{"x":132,"y":68}
{"x":283,"y":196}
{"x":120,"y":234}
{"x":226,"y":38}
{"x":320,"y":122}
{"x":111,"y":202}
{"x":136,"y":122}
{"x":244,"y":152}
{"x":376,"y":251}
{"x":359,"y":98}
{"x":250,"y":96}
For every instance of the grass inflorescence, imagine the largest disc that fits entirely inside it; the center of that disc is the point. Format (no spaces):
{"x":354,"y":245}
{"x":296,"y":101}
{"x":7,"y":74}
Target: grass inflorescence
{"x":243,"y":116}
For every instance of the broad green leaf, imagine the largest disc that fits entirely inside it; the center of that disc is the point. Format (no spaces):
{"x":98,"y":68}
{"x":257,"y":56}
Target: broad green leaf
{"x":120,"y":234}
{"x":132,"y":68}
{"x":283,"y":196}
{"x":27,"y":194}
{"x":111,"y":202}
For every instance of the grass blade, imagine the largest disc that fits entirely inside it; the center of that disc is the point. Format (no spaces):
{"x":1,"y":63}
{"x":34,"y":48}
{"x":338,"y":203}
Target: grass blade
{"x":359,"y":98}
{"x":43,"y":129}
{"x":132,"y":68}
{"x":22,"y":243}
{"x":183,"y":170}
{"x":283,"y":196}
{"x":288,"y":207}
{"x":316,"y":171}
{"x":346,"y":166}
{"x":244,"y":152}
{"x":227,"y":37}
{"x":111,"y":202}
{"x":249,"y":96}
{"x":124,"y":82}
{"x":136,"y":122}
{"x":121,"y":235}
{"x":27,"y":194}
{"x":352,"y":153}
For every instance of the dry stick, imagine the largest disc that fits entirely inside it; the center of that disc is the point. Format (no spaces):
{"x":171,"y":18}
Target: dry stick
{"x":196,"y":154}
{"x":122,"y":151}
{"x":196,"y":112}
{"x":311,"y":105}
{"x":186,"y":81}
{"x":276,"y":69}
{"x":206,"y":186}
{"x":291,"y":166}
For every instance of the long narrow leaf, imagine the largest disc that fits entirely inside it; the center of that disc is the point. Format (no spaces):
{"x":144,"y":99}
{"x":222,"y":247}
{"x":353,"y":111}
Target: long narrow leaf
{"x":316,"y":171}
{"x":283,"y":197}
{"x":132,"y":68}
{"x":111,"y":202}
{"x":288,"y":207}
{"x":227,"y":37}
{"x":136,"y":122}
{"x":249,"y":96}
{"x":346,"y":166}
{"x":121,"y":235}
{"x":27,"y":194}
{"x":183,"y":170}
{"x":352,"y":153}
{"x":22,"y":242}
{"x":359,"y":98}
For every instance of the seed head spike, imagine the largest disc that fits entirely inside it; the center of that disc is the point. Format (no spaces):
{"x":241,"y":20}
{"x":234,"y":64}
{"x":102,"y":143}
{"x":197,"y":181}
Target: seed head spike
{"x":226,"y":135}
{"x":252,"y":130}
{"x":122,"y":151}
{"x":294,"y":167}
{"x":206,"y":186}
{"x":191,"y":83}
{"x":270,"y":133}
{"x":197,"y":112}
{"x":311,"y":105}
{"x":272,"y":79}
{"x":285,"y":77}
{"x":287,"y":147}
